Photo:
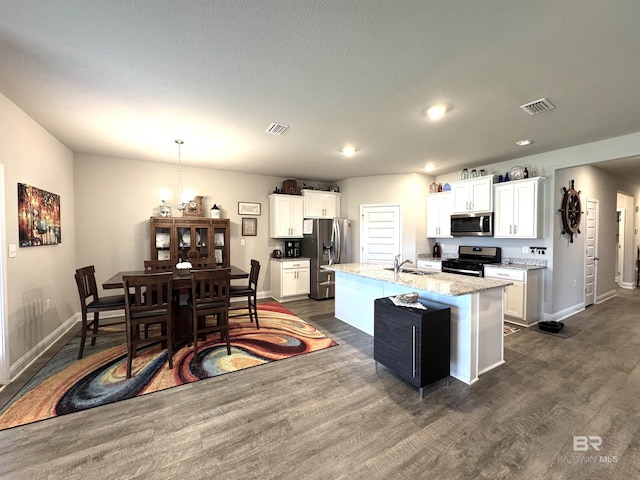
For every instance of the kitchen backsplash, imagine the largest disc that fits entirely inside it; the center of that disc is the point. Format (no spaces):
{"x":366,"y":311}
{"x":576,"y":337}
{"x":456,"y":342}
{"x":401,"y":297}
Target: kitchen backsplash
{"x":518,"y":261}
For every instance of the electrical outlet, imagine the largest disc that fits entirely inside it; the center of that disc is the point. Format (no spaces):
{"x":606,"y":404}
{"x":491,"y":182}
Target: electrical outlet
{"x":525,"y":249}
{"x":242,"y":241}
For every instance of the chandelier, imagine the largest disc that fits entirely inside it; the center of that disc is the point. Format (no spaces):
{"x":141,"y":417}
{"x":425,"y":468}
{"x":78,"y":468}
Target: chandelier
{"x":183,"y":197}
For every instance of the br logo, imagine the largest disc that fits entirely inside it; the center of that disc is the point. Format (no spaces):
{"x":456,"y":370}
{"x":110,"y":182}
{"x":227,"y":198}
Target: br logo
{"x":581,"y":443}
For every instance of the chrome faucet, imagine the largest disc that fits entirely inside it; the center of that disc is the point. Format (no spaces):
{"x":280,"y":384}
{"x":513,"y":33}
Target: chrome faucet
{"x":397,"y":265}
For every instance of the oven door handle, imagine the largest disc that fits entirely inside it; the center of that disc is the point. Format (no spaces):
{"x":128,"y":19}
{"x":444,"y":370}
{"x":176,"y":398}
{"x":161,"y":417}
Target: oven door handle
{"x":461,"y":270}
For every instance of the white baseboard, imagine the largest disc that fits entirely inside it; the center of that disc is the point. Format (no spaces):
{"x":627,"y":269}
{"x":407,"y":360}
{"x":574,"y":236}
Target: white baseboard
{"x":32,"y":355}
{"x":628,"y":285}
{"x":607,"y":296}
{"x":564,"y":313}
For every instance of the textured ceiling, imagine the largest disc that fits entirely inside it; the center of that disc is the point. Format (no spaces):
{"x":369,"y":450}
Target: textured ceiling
{"x":126,"y":78}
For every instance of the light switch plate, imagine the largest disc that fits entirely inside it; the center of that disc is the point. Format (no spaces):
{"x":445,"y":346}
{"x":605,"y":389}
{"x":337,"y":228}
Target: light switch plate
{"x":12,"y":251}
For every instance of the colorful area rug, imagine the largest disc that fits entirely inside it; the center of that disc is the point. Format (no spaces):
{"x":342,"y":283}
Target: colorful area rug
{"x":67,"y":385}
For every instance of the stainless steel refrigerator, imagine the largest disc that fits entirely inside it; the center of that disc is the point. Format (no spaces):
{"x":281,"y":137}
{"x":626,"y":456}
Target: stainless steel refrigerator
{"x":325,"y":242}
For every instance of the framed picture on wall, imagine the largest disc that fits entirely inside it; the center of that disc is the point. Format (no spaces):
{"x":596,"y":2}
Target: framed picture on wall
{"x":249,"y":227}
{"x":38,"y":217}
{"x":248,"y":208}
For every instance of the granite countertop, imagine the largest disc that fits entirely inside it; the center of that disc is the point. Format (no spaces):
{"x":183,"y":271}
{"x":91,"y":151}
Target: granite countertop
{"x":289,"y":259}
{"x":449,"y":284}
{"x":517,"y":266}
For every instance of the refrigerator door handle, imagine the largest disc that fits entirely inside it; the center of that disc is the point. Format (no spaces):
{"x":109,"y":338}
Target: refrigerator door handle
{"x":336,"y":240}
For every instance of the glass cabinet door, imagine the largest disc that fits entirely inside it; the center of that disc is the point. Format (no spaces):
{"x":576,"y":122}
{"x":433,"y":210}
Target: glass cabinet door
{"x":220,"y":242}
{"x":162,"y":243}
{"x":193,"y":242}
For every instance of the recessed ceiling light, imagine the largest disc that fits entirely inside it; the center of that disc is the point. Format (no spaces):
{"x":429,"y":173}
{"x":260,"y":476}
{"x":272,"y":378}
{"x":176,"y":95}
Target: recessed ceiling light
{"x":524,"y":142}
{"x":436,"y":112}
{"x":349,"y":150}
{"x":429,"y":167}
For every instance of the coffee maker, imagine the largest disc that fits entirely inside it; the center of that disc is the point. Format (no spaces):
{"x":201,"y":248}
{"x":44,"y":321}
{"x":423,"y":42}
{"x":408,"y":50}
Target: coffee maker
{"x":292,"y":248}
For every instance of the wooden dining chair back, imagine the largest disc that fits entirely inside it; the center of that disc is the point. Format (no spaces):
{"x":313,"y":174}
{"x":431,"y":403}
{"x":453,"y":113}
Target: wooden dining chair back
{"x":202,"y":264}
{"x":150,"y":302}
{"x":157,"y":266}
{"x":250,"y":291}
{"x":92,"y":303}
{"x":209,"y":297}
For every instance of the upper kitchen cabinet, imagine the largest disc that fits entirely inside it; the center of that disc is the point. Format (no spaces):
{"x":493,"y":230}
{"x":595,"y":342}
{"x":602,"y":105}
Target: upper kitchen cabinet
{"x":286,"y":216}
{"x":319,"y":204}
{"x":518,"y":208}
{"x":439,"y":215}
{"x":474,"y":195}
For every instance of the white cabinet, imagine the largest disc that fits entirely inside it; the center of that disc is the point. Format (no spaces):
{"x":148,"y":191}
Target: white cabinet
{"x":430,"y":264}
{"x":522,"y":299}
{"x":286,"y":216}
{"x":474,"y":195}
{"x":518,"y":209}
{"x":289,"y":279}
{"x":439,"y":215}
{"x":319,"y":204}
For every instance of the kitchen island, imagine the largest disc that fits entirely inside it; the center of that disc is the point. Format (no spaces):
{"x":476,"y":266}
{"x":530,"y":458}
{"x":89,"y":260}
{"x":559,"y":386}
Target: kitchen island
{"x":477,"y":317}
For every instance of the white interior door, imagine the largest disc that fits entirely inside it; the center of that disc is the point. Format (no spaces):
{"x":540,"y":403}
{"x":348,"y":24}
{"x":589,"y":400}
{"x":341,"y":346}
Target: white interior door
{"x":620,"y":247}
{"x":591,"y":254}
{"x":380,"y":238}
{"x":4,"y":342}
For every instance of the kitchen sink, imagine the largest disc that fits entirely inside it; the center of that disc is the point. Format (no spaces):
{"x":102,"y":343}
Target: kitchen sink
{"x":412,"y":271}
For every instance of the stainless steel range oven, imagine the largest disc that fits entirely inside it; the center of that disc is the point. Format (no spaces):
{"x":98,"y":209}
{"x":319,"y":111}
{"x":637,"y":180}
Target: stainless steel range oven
{"x":471,"y":260}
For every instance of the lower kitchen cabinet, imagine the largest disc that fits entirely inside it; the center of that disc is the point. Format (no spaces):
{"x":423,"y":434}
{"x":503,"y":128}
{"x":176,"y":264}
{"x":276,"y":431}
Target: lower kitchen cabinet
{"x":522,"y":299}
{"x":289,"y":279}
{"x":430,"y":264}
{"x":413,"y":343}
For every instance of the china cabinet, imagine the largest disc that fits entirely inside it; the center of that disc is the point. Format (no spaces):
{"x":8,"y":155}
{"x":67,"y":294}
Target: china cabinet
{"x":189,"y":238}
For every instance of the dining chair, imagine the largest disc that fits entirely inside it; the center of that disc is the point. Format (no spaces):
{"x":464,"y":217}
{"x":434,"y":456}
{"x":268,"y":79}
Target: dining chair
{"x":250,"y":291}
{"x":157,"y":266}
{"x":92,"y":303}
{"x":209,"y":297}
{"x":202,"y":264}
{"x":150,"y":303}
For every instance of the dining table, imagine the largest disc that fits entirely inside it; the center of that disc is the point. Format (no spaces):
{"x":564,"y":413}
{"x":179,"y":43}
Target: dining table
{"x":180,"y":279}
{"x":181,"y":282}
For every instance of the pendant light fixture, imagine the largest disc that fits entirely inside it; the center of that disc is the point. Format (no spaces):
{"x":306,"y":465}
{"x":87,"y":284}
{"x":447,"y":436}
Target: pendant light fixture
{"x":183,"y":197}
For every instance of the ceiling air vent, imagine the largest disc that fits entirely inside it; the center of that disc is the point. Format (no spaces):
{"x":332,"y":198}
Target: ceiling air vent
{"x":538,"y":106}
{"x":276,"y":128}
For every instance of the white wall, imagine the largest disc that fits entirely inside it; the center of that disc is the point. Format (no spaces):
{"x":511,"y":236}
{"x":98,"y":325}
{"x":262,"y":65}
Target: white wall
{"x":115,"y":198}
{"x":31,"y":155}
{"x":559,"y":293}
{"x":409,"y":191}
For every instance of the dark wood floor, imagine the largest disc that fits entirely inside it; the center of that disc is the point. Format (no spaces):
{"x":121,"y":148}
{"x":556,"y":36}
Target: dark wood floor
{"x":332,"y":415}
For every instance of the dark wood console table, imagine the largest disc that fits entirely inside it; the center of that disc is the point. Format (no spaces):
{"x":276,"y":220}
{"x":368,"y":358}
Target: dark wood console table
{"x":413,"y":343}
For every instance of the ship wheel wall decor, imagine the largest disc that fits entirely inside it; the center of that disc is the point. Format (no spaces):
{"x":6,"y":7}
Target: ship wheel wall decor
{"x":571,"y":211}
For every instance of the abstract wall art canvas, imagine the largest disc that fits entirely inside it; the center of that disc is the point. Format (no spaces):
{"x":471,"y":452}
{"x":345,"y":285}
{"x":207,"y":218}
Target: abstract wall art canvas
{"x":38,"y":217}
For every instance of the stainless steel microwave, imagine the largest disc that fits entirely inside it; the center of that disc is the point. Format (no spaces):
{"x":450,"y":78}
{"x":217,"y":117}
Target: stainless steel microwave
{"x":472,"y":225}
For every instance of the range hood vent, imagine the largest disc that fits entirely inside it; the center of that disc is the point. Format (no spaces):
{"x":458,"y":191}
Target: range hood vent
{"x":538,"y":106}
{"x":276,"y":128}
